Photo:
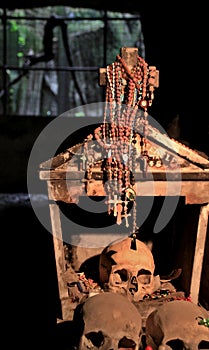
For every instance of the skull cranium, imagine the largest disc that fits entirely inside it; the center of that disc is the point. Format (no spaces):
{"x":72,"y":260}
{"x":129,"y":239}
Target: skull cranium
{"x":127,"y":271}
{"x":110,"y":322}
{"x":175,"y":325}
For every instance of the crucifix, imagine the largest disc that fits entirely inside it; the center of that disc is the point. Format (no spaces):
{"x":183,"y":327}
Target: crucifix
{"x":83,"y":158}
{"x":130,"y":57}
{"x":125,"y":215}
{"x":117,"y":208}
{"x":119,"y":211}
{"x":114,"y":201}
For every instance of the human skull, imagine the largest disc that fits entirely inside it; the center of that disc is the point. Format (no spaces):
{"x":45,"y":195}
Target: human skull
{"x":110,"y":322}
{"x":175,"y":325}
{"x":127,"y":271}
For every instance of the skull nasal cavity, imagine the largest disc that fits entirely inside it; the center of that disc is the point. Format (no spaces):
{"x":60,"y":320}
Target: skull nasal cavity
{"x":135,"y":284}
{"x":134,"y":280}
{"x":126,"y":343}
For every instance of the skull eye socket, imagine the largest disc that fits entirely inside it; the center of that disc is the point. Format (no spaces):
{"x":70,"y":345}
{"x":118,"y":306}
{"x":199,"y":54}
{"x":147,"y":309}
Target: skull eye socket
{"x":144,"y":276}
{"x":96,"y":338}
{"x":121,"y":276}
{"x":176,"y":344}
{"x":126,"y":343}
{"x":203,"y":345}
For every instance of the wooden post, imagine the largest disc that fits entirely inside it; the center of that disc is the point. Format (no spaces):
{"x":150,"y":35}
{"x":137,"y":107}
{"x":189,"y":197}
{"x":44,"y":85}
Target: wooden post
{"x":66,"y":310}
{"x":199,"y":253}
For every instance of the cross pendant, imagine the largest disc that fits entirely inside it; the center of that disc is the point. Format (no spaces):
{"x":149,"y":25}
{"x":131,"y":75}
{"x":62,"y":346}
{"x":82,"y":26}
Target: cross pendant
{"x":83,"y":158}
{"x":125,"y":215}
{"x":114,"y":202}
{"x":119,"y":211}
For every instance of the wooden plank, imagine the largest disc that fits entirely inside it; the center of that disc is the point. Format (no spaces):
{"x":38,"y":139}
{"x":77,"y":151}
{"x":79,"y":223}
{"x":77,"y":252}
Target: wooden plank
{"x":199,"y":253}
{"x":194,"y":192}
{"x":56,"y":161}
{"x":58,"y":249}
{"x":173,"y":146}
{"x":65,"y":191}
{"x":74,"y":174}
{"x":58,"y":246}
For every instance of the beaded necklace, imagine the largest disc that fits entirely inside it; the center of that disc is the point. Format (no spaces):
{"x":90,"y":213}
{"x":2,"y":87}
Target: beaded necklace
{"x":128,"y":90}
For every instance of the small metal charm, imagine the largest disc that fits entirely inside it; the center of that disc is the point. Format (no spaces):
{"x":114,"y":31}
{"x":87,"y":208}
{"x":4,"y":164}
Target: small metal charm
{"x":133,"y":242}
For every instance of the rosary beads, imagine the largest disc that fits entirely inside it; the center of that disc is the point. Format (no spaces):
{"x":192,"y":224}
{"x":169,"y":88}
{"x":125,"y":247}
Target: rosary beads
{"x":129,"y":91}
